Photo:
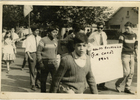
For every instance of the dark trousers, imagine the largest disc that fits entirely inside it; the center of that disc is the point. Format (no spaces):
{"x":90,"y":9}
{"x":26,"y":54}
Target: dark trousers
{"x":49,"y":67}
{"x":32,"y":65}
{"x":25,"y":60}
{"x":38,"y":75}
{"x":101,"y":85}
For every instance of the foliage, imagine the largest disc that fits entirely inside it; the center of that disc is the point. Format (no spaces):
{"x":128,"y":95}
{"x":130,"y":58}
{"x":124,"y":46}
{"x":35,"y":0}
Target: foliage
{"x":62,"y":16}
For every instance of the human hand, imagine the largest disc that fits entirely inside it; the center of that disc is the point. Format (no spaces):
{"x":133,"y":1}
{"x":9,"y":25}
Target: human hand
{"x":41,"y":65}
{"x":31,"y":59}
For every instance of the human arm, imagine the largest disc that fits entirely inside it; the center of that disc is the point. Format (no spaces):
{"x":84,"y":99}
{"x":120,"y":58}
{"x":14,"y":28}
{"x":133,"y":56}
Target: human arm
{"x":39,"y":51}
{"x":27,"y":50}
{"x":91,"y":81}
{"x":58,"y":76}
{"x":105,"y":39}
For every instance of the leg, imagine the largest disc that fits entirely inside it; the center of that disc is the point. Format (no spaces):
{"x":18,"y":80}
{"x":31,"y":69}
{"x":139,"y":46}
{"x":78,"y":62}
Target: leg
{"x":8,"y":66}
{"x":25,"y":60}
{"x":32,"y":69}
{"x":53,"y":68}
{"x":38,"y":76}
{"x":44,"y":74}
{"x":131,"y":73}
{"x":126,"y":70}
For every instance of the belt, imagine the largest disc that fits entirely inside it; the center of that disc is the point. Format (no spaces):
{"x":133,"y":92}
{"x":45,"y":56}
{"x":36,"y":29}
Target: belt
{"x":32,"y":52}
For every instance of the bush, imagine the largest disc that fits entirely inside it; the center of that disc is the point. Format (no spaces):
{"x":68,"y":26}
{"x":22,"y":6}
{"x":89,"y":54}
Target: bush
{"x":112,"y":34}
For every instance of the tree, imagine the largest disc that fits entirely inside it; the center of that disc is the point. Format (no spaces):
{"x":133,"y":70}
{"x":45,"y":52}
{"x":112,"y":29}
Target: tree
{"x":62,"y":16}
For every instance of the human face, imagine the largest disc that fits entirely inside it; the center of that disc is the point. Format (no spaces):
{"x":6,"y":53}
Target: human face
{"x":80,"y":48}
{"x":12,"y":30}
{"x":4,"y":30}
{"x":128,"y":29}
{"x":54,"y":33}
{"x":36,"y":32}
{"x":8,"y":35}
{"x":100,"y":28}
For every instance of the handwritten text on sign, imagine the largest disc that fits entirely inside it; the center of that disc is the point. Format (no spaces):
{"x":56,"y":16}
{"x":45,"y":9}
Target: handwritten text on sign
{"x":106,"y":62}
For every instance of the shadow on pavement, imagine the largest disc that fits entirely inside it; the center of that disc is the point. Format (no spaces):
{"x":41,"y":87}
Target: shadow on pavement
{"x":12,"y":89}
{"x":16,"y":83}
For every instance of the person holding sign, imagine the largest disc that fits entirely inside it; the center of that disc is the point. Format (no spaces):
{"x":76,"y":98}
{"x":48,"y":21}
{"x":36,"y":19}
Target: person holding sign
{"x":74,"y":69}
{"x":98,"y":38}
{"x":130,"y":46}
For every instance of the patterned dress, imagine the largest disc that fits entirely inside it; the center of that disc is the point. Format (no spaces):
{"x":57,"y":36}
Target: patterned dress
{"x":8,"y":50}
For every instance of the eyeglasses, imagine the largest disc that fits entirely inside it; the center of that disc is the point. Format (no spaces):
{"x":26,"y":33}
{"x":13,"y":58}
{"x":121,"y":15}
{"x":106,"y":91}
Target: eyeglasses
{"x":99,"y":27}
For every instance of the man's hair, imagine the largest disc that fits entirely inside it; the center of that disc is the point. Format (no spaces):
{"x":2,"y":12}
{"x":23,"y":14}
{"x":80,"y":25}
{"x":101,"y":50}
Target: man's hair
{"x":129,"y":24}
{"x":77,"y":27}
{"x":34,"y":27}
{"x":100,"y":23}
{"x":51,"y":29}
{"x":80,"y":38}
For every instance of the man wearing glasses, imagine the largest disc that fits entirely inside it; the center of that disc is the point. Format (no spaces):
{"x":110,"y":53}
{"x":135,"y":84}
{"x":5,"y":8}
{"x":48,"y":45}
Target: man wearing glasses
{"x":31,"y":49}
{"x":98,"y":38}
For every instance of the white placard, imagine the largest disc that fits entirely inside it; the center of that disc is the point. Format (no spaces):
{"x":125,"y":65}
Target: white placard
{"x":106,"y":62}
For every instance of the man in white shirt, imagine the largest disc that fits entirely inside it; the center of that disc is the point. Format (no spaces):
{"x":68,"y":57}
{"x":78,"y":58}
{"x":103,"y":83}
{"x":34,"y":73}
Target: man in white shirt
{"x":31,"y":48}
{"x":98,"y":38}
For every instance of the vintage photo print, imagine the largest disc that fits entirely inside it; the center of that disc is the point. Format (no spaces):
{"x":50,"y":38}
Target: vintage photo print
{"x":70,"y":50}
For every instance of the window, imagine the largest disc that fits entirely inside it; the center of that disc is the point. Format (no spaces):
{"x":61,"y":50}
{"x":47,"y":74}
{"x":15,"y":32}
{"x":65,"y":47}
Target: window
{"x":127,"y":15}
{"x":115,"y":26}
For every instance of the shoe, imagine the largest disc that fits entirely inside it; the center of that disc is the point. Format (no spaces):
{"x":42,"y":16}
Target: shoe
{"x":33,"y":87}
{"x":37,"y":86}
{"x":102,"y":88}
{"x":128,"y":91}
{"x":7,"y":71}
{"x":118,"y":89}
{"x":22,"y":69}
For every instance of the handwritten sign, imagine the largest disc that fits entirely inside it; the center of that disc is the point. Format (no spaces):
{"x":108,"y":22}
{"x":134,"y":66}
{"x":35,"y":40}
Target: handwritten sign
{"x":106,"y":62}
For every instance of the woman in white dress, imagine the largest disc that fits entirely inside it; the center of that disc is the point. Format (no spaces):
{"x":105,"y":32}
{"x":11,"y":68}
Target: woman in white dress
{"x":8,"y":50}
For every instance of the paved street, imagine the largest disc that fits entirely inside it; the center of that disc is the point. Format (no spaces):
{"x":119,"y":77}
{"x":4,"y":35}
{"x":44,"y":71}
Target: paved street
{"x":18,"y":80}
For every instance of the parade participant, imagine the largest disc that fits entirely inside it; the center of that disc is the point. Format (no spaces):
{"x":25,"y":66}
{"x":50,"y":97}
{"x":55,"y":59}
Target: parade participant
{"x":26,"y":55}
{"x":8,"y":53}
{"x":3,"y":35}
{"x":65,"y":45}
{"x":14,"y":37}
{"x":130,"y":46}
{"x":98,"y":38}
{"x":4,"y":32}
{"x":47,"y":56}
{"x":31,"y":49}
{"x":74,"y":69}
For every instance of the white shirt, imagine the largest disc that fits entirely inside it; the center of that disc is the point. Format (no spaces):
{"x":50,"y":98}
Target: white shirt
{"x":94,"y":38}
{"x":15,"y":36}
{"x":80,"y":61}
{"x":31,"y":43}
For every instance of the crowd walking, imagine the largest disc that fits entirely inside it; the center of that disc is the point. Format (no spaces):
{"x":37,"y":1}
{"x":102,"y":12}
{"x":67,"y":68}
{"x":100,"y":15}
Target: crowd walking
{"x":73,"y":72}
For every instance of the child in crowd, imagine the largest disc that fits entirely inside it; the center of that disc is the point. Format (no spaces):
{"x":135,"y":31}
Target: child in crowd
{"x":8,"y":50}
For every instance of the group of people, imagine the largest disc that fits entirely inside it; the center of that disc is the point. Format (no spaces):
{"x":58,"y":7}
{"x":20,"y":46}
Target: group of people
{"x":74,"y":69}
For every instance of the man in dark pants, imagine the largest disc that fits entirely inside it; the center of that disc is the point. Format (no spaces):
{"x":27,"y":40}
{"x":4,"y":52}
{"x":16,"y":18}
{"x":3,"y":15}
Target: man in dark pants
{"x":47,"y":56}
{"x":31,"y":48}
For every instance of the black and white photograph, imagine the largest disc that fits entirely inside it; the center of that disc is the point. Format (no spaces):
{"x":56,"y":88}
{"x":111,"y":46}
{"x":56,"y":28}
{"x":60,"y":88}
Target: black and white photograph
{"x":70,"y":48}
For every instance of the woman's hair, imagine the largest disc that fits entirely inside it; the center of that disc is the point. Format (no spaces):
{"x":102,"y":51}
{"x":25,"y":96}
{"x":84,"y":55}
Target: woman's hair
{"x":7,"y":36}
{"x":80,"y":38}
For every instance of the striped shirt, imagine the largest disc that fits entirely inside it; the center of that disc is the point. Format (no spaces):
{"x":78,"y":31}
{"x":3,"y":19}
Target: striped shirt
{"x":47,"y":49}
{"x":129,"y":41}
